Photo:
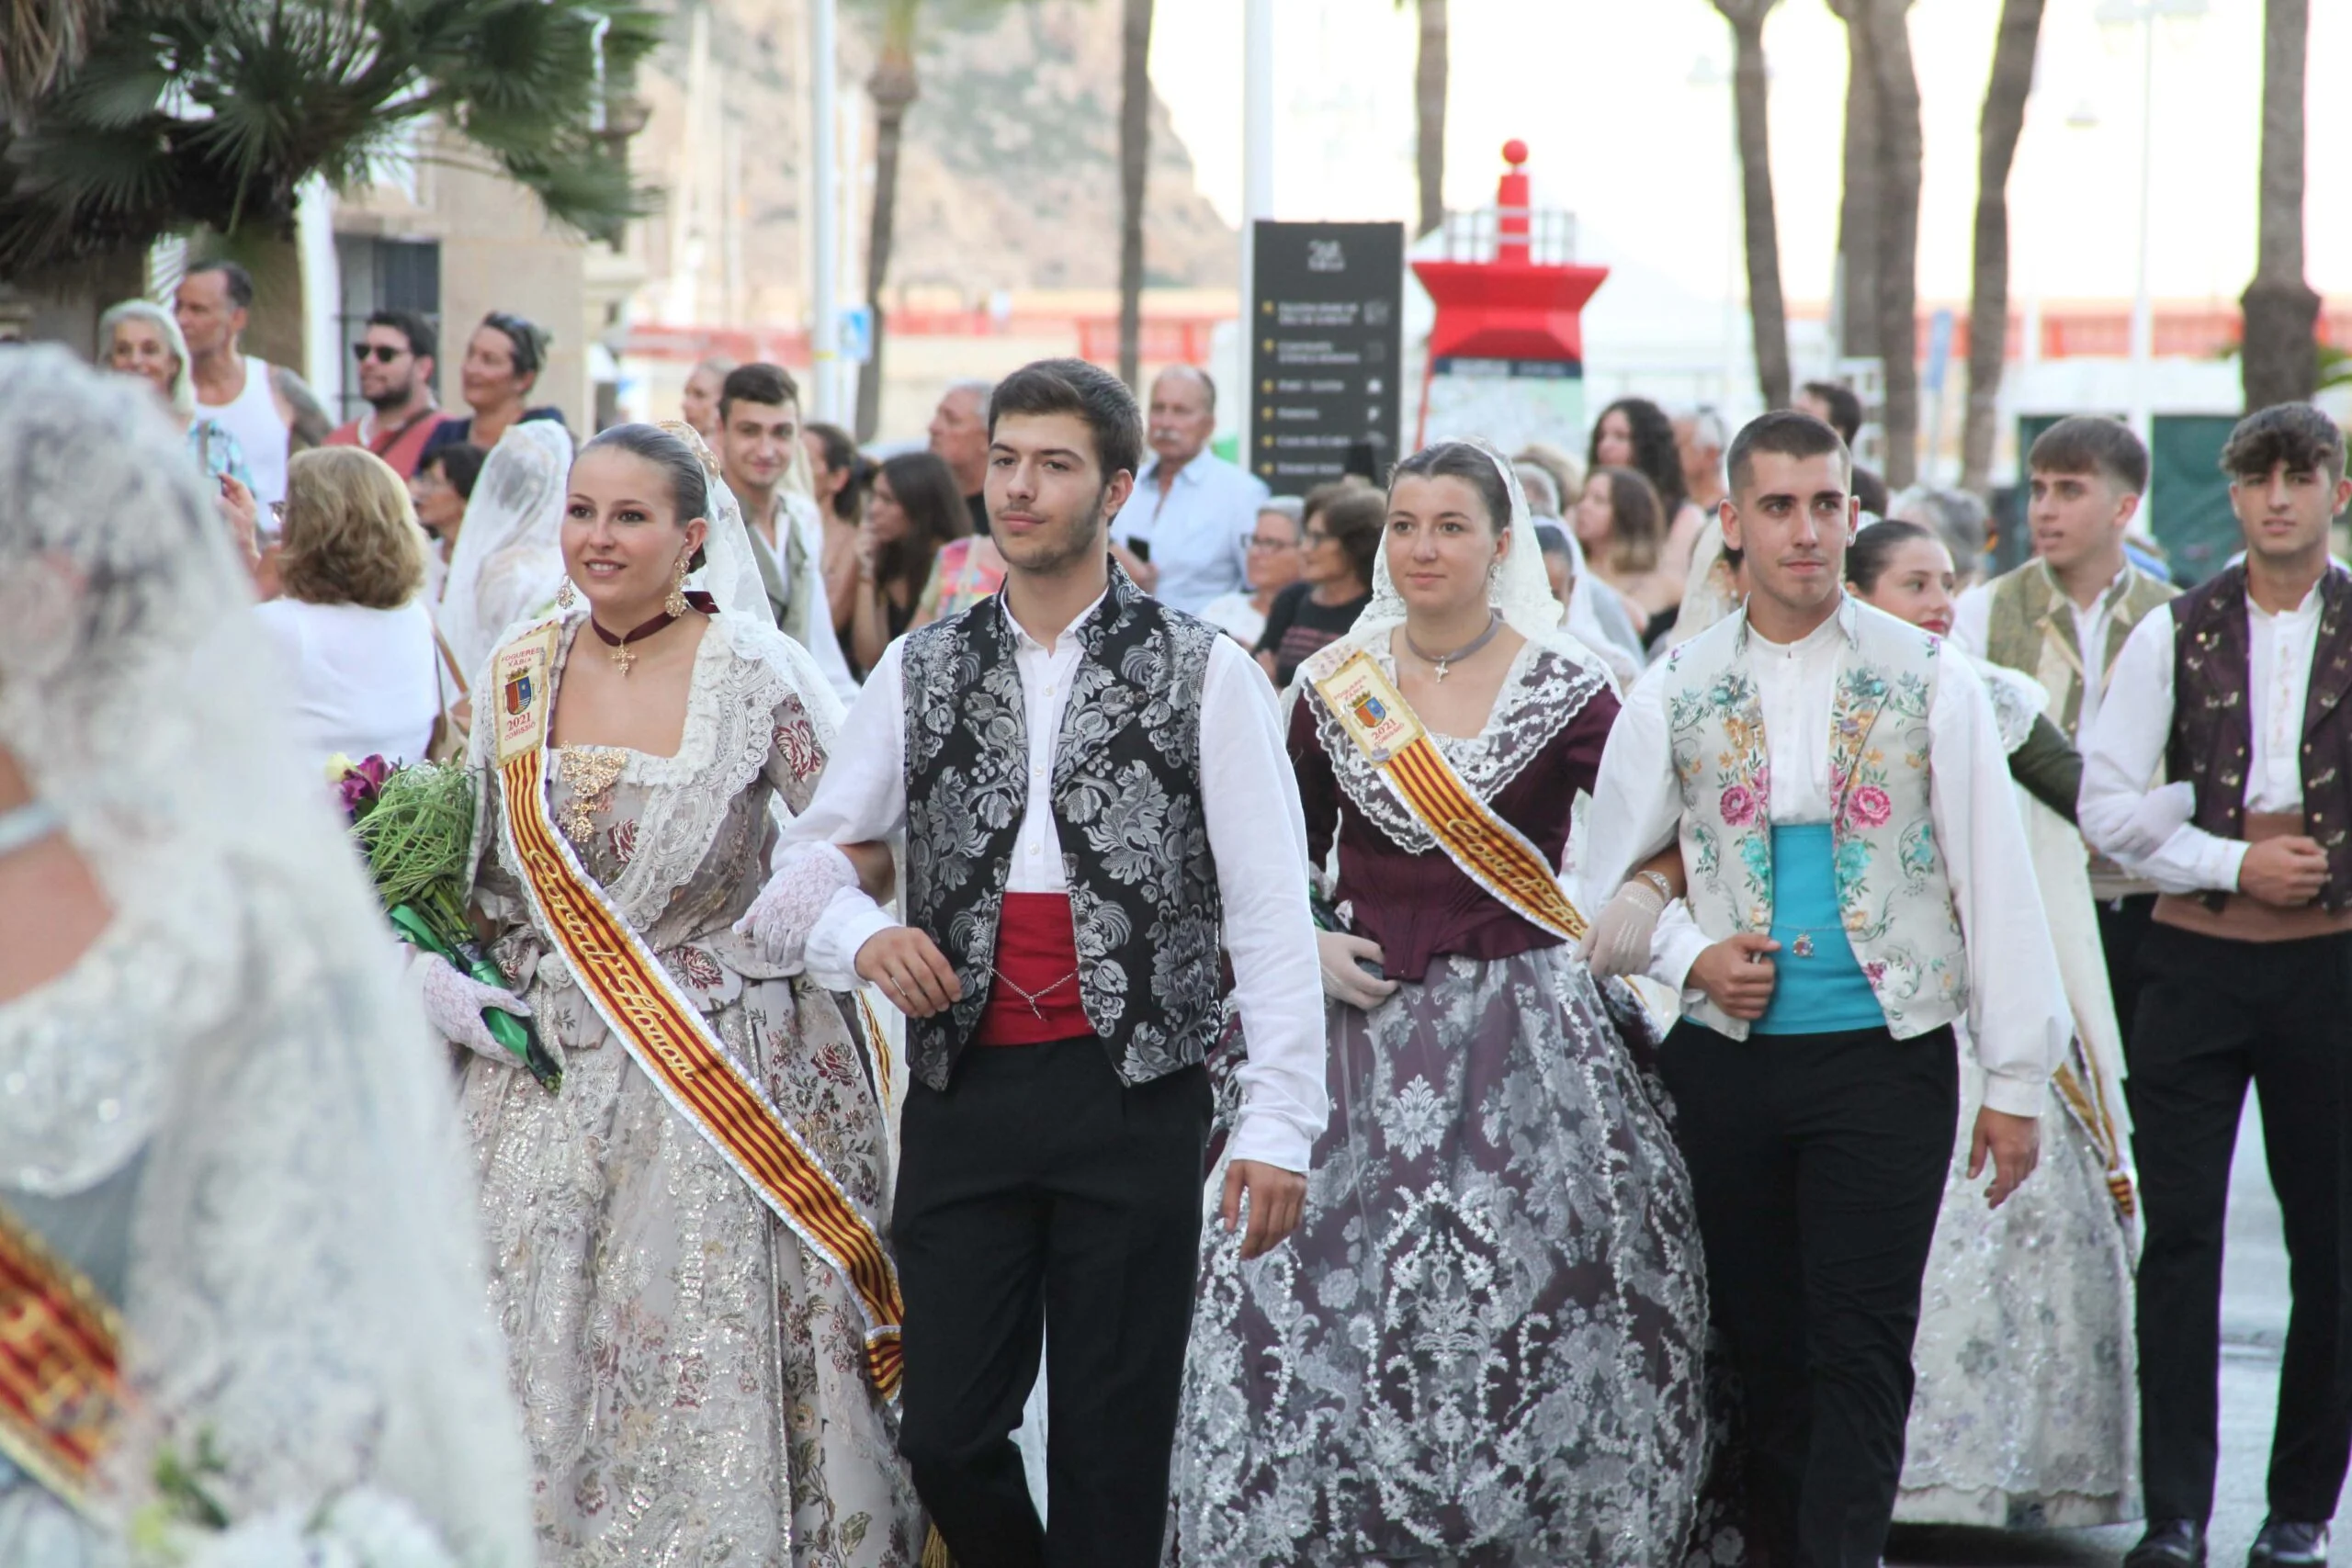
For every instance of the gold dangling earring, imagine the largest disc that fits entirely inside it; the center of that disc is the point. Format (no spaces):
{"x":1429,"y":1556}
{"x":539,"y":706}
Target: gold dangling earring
{"x":675,"y":604}
{"x":564,"y":597}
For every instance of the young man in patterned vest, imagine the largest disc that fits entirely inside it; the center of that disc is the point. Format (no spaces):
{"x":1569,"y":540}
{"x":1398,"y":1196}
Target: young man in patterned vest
{"x":1858,"y":882}
{"x":1095,"y":797}
{"x":2063,"y":619}
{"x":2238,"y":691}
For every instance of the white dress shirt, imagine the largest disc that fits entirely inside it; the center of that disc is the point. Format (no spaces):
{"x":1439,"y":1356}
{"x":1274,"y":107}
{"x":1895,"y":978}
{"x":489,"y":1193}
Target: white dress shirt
{"x":2122,"y":759}
{"x":1257,"y":836}
{"x":1195,"y":530}
{"x":2018,"y":1015}
{"x":1972,"y":628}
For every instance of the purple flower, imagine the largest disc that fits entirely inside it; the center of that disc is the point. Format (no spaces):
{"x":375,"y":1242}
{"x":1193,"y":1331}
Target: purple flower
{"x":361,"y":784}
{"x":1738,"y":806}
{"x":1869,"y":807}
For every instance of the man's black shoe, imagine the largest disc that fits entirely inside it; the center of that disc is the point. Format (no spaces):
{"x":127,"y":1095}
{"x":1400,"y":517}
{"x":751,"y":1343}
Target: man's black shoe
{"x":2282,"y":1544}
{"x":2170,"y":1543}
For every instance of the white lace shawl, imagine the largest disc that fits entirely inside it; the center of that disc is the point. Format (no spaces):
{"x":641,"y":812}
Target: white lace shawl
{"x":303,"y":1285}
{"x":743,"y":671}
{"x":509,"y":559}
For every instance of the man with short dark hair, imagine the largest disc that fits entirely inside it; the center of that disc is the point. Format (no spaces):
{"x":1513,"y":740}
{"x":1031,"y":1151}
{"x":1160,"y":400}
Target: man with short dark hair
{"x":1179,"y":536}
{"x":1835,"y":405}
{"x":959,"y":438}
{"x":271,"y":410}
{"x":1095,"y":799}
{"x":2235,"y":689}
{"x":395,"y":352}
{"x":1858,"y":882}
{"x":2063,"y":616}
{"x":758,"y":416}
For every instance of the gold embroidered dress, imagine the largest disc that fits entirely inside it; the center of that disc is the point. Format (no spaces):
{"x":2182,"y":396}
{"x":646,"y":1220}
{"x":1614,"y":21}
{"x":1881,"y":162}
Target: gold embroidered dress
{"x":693,"y":1379}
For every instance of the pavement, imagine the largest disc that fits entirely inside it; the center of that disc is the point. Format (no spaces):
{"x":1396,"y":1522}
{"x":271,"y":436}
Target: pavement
{"x":2254,"y":1327}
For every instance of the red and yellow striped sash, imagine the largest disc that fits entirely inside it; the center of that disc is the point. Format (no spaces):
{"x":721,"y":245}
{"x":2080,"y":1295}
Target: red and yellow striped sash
{"x":1489,"y":850}
{"x":60,"y":1383}
{"x":661,"y":1027}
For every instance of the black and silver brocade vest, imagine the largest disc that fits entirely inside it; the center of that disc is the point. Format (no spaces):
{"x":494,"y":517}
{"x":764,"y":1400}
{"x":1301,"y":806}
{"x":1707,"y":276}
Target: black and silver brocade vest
{"x":2212,"y":720}
{"x":1127,"y":801}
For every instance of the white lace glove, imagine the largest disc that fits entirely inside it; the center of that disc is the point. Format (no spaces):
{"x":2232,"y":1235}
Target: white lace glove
{"x":804,"y":882}
{"x":1618,"y":940}
{"x":1343,"y":979}
{"x":2160,"y":814}
{"x":452,"y":1004}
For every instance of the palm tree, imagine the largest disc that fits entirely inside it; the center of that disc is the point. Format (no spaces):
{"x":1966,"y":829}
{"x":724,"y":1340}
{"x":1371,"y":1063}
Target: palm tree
{"x":1766,"y":311}
{"x":189,"y":114}
{"x":2281,"y":362}
{"x":1901,"y":151}
{"x":894,"y":88}
{"x":1988,"y":308}
{"x":1858,"y":203}
{"x":1428,"y":112}
{"x":1135,"y":168}
{"x":40,"y":40}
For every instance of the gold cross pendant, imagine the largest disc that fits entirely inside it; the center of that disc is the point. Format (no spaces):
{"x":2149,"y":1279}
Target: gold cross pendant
{"x":1441,"y":672}
{"x":623,"y":659}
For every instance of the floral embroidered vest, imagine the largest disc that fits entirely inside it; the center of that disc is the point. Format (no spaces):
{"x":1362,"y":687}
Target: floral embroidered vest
{"x":1893,"y":895}
{"x":2213,"y":720}
{"x":1127,"y":801}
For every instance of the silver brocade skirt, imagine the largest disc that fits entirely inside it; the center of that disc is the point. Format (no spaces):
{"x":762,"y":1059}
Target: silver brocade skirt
{"x":1483,"y":1346}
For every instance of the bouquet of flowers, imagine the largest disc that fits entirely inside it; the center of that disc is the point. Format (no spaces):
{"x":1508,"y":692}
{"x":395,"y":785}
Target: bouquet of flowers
{"x":414,"y":826}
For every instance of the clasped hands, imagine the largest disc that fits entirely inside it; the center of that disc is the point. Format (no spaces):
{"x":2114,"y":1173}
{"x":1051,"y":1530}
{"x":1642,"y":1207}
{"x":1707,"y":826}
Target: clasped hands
{"x":1737,"y":976}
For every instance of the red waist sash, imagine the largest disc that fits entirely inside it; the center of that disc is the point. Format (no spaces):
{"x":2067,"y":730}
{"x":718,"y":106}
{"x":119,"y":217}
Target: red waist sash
{"x":1033,"y":997}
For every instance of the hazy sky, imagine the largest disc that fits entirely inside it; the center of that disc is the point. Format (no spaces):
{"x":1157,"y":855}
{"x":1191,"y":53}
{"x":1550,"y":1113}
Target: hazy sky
{"x":1627,"y":109}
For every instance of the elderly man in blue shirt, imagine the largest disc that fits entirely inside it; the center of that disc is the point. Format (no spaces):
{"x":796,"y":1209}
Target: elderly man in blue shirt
{"x":1181,"y":535}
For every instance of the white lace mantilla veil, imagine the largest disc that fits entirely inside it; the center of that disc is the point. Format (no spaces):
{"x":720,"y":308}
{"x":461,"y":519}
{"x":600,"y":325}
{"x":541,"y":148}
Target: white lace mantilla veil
{"x":1521,"y":590}
{"x":302,"y":1293}
{"x":509,"y":559}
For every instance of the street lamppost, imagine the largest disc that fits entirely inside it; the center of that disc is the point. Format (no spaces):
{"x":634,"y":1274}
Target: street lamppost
{"x":2144,"y":15}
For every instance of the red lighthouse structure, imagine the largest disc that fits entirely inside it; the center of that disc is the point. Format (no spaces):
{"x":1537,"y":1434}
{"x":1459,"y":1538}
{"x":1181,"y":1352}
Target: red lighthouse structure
{"x":1506,"y":356}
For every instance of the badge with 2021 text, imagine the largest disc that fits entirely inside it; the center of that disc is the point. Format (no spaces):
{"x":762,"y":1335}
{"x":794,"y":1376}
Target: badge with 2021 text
{"x":522,"y":677}
{"x":1370,"y":708}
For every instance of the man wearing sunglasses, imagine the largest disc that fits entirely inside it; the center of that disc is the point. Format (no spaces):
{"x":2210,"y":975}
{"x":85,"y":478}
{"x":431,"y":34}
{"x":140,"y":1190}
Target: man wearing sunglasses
{"x":395,"y":373}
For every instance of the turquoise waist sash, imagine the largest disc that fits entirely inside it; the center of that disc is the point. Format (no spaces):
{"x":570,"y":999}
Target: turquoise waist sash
{"x":1818,"y":986}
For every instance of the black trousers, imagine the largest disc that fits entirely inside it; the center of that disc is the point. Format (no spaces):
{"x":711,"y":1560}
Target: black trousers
{"x":1036,"y":1189}
{"x":1819,"y":1164}
{"x":2215,"y":1015}
{"x":2124,"y":925}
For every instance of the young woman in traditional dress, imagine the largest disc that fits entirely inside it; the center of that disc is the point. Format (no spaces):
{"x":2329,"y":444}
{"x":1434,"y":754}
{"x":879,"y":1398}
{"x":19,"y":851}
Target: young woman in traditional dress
{"x":685,"y":1239}
{"x":238,"y":1265}
{"x":2026,"y":1416}
{"x":1483,"y":1343}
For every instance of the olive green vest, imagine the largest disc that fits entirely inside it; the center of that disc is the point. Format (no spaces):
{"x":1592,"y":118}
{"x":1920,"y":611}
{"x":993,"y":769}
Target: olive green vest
{"x":2032,"y":628}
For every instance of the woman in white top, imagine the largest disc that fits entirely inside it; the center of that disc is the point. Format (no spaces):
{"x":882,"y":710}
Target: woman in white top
{"x":358,"y":638}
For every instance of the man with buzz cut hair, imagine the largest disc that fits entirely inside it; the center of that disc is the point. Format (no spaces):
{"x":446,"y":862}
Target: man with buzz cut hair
{"x":271,"y":410}
{"x":1858,"y":882}
{"x":1096,"y":800}
{"x":2236,"y":690}
{"x":758,"y":418}
{"x":2063,"y":616}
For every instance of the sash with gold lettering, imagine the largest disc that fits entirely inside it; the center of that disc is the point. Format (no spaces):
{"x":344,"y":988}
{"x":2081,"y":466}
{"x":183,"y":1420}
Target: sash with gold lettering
{"x":61,"y":1384}
{"x":663,"y":1031}
{"x":1490,"y":851}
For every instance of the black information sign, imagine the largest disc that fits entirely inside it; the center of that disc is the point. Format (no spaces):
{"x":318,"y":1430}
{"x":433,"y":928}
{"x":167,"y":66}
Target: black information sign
{"x":1326,"y":352}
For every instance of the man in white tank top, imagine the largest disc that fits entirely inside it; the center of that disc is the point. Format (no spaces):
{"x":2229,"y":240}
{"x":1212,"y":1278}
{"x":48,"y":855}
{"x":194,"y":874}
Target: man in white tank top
{"x":270,"y":411}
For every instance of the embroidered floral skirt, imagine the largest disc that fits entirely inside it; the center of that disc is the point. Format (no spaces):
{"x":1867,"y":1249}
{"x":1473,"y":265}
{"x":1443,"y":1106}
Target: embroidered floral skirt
{"x":2026,"y":1414}
{"x":692,"y":1377}
{"x":1483,"y":1344}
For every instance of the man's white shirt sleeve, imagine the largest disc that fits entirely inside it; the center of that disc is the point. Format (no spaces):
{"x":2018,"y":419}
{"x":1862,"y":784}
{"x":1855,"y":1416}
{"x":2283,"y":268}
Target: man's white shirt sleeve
{"x":2126,"y":749}
{"x":1636,"y":810}
{"x":861,"y":797}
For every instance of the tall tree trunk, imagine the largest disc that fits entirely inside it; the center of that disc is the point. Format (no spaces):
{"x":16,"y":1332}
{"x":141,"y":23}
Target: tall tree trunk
{"x":1429,"y":110}
{"x":1767,"y":313}
{"x":1858,"y":206}
{"x":893,"y":88}
{"x":1901,"y":151}
{"x":1989,"y":306}
{"x":1134,"y":169}
{"x":2279,"y":360}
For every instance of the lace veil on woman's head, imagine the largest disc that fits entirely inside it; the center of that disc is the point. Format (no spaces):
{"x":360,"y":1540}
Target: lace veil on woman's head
{"x":302,"y":1291}
{"x":509,"y":559}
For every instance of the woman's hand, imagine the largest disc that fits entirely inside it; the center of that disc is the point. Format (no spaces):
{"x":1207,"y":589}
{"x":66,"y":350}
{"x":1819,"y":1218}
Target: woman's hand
{"x":454,"y":1003}
{"x":1618,"y":941}
{"x":1343,"y":977}
{"x":242,"y":513}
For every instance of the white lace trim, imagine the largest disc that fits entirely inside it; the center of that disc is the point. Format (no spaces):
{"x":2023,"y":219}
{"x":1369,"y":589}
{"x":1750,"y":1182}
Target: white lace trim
{"x":1541,"y":695}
